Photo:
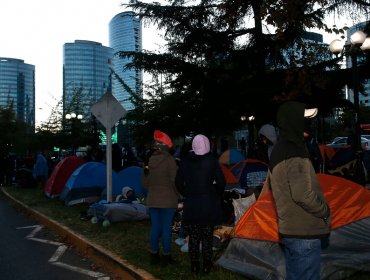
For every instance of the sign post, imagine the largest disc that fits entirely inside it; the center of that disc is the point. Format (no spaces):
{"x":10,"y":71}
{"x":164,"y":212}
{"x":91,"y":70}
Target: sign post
{"x":108,"y":111}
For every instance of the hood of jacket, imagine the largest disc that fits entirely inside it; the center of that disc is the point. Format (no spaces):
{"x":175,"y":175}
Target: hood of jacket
{"x":201,"y":145}
{"x":269,"y":132}
{"x":290,"y":120}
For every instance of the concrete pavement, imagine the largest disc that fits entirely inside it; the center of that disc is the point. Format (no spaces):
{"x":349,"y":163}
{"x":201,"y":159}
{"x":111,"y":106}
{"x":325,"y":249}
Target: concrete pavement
{"x":114,"y":265}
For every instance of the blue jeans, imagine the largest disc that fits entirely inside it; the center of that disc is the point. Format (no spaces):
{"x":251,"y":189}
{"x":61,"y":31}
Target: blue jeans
{"x":302,"y":258}
{"x":162,"y":221}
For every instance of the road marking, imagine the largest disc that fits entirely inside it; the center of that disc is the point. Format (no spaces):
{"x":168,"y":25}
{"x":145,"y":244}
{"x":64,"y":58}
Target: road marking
{"x":59,"y":253}
{"x":79,"y":270}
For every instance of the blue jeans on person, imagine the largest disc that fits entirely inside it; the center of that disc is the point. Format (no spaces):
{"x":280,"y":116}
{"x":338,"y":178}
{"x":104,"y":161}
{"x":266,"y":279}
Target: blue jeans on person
{"x":162,"y":221}
{"x":302,"y":258}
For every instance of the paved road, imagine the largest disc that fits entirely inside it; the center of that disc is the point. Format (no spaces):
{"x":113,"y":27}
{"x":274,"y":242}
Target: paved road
{"x":29,"y":251}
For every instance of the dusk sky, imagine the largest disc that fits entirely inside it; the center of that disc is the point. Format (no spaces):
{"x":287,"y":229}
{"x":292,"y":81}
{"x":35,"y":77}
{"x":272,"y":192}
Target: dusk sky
{"x":35,"y":31}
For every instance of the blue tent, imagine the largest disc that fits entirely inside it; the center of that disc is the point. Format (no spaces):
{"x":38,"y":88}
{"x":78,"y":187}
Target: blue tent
{"x":231,"y":156}
{"x":251,"y":173}
{"x":130,"y":177}
{"x":85,"y":184}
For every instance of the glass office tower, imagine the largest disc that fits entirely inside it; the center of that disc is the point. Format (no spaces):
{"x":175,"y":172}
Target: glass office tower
{"x":125,"y":34}
{"x":86,"y":75}
{"x":17,"y":87}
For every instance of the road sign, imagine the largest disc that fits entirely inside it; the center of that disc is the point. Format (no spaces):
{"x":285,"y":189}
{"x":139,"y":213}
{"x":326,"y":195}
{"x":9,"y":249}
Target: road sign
{"x":108,"y":111}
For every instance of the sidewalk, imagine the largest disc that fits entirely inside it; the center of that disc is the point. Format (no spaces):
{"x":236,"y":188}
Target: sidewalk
{"x":114,"y":265}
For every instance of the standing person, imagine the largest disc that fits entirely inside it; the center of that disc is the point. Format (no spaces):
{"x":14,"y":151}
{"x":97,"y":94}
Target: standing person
{"x":303,"y":212}
{"x":159,"y":179}
{"x":128,"y":157}
{"x":268,"y":137}
{"x":41,"y":169}
{"x":201,"y":181}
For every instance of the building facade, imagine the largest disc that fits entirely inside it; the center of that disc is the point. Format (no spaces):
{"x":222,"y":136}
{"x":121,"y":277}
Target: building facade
{"x":125,"y":34}
{"x":17,"y":88}
{"x":86,"y":75}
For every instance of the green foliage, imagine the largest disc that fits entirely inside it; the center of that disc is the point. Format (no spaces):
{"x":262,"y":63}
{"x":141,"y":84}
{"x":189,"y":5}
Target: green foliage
{"x":61,"y":132}
{"x":216,"y":67}
{"x":15,"y":135}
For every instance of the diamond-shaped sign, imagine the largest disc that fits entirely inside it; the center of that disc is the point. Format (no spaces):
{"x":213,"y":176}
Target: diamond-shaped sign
{"x":108,"y":110}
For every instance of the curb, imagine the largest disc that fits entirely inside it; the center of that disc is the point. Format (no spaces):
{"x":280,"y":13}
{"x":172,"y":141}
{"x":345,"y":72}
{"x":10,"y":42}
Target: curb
{"x":111,"y":263}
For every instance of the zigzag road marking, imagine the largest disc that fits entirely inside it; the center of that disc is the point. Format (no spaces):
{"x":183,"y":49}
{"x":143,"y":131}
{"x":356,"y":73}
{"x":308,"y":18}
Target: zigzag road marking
{"x":59,"y":253}
{"x":80,"y":270}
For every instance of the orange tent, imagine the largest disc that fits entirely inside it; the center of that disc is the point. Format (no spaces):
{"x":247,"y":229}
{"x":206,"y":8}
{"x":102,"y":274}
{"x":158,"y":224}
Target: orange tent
{"x":348,"y":202}
{"x":229,"y":176}
{"x":255,"y":252}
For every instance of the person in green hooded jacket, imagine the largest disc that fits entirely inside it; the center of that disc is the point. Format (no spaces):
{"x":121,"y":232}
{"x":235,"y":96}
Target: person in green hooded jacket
{"x":303,"y":213}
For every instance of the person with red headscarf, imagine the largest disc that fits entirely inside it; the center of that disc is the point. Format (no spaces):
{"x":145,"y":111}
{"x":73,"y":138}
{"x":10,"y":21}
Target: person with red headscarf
{"x":162,"y":197}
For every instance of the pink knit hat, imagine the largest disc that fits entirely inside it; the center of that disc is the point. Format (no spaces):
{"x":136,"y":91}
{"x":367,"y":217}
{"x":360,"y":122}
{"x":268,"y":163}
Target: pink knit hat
{"x":162,"y":137}
{"x":201,"y":145}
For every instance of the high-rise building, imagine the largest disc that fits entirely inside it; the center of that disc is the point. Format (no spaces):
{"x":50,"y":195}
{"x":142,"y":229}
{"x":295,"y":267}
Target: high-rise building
{"x":17,"y":88}
{"x":86,"y":75}
{"x":125,"y":34}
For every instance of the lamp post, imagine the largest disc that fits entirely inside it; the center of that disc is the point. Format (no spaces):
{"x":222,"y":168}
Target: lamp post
{"x":251,"y":132}
{"x":250,"y":123}
{"x":359,"y":43}
{"x":73,"y":117}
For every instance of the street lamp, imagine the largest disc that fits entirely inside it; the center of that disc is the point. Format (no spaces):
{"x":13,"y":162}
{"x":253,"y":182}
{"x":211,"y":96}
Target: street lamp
{"x":73,"y":117}
{"x":359,"y":43}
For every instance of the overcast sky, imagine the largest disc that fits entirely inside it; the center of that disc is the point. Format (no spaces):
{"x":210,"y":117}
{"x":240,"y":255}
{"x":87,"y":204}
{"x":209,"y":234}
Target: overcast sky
{"x":36,"y":30}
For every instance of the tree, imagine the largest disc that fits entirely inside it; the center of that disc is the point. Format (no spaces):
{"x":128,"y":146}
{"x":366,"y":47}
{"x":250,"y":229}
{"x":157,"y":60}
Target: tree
{"x":61,"y":132}
{"x":15,"y":134}
{"x":217,"y":68}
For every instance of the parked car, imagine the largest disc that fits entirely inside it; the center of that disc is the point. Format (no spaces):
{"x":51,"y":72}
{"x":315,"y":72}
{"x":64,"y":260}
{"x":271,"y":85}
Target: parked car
{"x":340,"y":142}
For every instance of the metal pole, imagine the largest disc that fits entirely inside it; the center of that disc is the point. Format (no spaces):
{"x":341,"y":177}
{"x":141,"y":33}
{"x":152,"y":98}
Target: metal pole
{"x":356,"y":101}
{"x":109,"y":163}
{"x":250,"y":135}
